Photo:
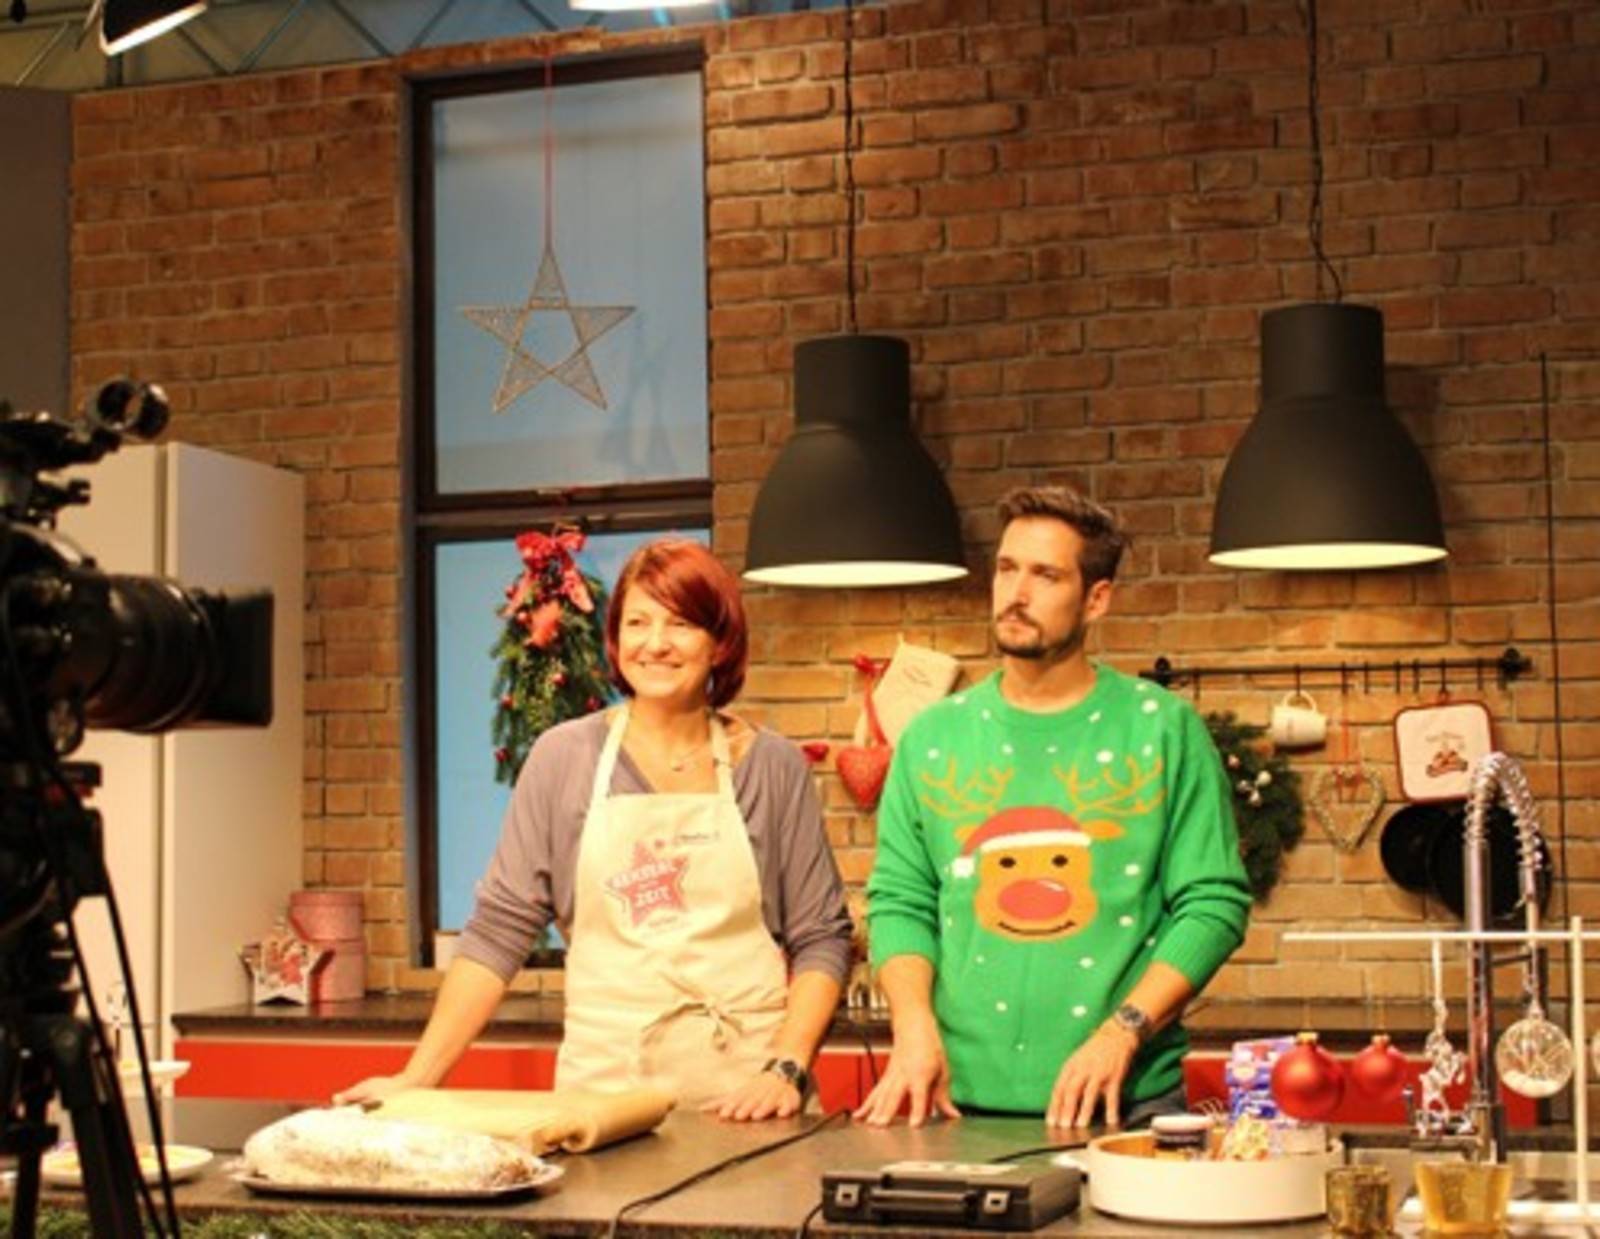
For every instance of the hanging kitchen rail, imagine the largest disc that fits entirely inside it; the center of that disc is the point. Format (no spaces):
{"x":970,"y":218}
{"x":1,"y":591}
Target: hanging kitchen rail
{"x":1421,"y":673}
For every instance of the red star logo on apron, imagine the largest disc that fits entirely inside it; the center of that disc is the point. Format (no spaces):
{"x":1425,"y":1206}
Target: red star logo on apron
{"x":649,"y":883}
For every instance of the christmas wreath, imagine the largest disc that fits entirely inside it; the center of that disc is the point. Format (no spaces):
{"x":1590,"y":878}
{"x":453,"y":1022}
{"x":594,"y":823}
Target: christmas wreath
{"x":551,"y":655}
{"x":1267,"y":804}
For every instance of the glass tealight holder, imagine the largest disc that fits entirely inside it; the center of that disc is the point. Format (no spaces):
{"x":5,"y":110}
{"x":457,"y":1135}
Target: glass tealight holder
{"x":1463,"y":1198}
{"x":1360,"y":1200}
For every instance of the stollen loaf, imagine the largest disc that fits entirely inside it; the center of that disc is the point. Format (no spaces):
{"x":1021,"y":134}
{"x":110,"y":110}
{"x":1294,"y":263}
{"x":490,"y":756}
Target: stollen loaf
{"x":348,"y":1148}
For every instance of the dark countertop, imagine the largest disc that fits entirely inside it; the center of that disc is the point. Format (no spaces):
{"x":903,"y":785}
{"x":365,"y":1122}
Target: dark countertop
{"x":1213,"y":1024}
{"x":767,"y":1196}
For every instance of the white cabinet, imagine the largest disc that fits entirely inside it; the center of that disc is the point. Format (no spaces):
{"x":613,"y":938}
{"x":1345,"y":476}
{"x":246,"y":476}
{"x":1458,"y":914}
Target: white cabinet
{"x":203,"y":826}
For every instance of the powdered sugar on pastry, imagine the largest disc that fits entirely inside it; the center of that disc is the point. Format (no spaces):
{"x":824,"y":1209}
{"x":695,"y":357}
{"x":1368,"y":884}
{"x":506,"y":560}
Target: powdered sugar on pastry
{"x":346,"y":1147}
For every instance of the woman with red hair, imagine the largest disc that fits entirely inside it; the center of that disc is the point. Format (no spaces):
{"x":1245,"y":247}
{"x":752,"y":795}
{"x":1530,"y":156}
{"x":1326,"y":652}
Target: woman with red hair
{"x":681,"y":852}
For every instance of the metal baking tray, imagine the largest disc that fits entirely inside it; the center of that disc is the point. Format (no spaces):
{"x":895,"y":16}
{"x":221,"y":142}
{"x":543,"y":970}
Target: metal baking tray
{"x":543,"y":1181}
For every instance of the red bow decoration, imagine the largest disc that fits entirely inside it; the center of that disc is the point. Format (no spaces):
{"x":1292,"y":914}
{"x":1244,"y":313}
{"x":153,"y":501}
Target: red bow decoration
{"x":863,"y":769}
{"x":548,"y":575}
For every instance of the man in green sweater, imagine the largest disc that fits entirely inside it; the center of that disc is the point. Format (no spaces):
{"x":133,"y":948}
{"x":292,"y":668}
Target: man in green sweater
{"x":1058,"y":868}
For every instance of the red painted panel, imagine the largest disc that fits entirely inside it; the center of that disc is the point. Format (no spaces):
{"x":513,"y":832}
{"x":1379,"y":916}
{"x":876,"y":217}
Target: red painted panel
{"x":312,"y":1071}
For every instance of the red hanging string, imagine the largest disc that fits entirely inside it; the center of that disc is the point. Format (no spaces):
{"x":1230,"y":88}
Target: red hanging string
{"x":549,"y":147}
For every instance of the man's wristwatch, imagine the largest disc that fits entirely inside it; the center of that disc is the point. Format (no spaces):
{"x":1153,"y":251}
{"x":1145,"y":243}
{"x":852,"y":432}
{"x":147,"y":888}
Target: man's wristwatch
{"x":1129,"y":1018}
{"x":797,"y":1076}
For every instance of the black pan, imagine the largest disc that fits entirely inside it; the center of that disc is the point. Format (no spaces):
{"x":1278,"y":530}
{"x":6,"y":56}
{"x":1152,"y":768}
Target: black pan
{"x":1407,"y":836}
{"x":1446,"y":865}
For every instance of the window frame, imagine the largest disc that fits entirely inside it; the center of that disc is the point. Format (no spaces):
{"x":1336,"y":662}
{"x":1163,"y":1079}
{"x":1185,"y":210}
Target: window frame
{"x":431,"y":519}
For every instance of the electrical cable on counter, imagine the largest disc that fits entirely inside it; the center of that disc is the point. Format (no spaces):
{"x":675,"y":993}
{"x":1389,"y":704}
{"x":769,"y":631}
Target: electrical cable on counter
{"x":1068,"y":1146}
{"x":727,"y":1163}
{"x":860,"y":1030}
{"x":804,"y":1229}
{"x":45,"y":758}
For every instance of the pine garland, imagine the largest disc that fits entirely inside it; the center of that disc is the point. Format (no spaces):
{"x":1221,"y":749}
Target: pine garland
{"x":1267,"y":802}
{"x":551,"y":656}
{"x":54,"y":1223}
{"x":324,"y":1223}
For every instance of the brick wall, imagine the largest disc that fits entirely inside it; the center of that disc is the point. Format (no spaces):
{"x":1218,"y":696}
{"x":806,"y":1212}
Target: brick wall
{"x":1076,"y":214}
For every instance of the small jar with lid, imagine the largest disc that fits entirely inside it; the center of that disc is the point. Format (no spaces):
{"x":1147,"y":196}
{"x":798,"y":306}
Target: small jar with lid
{"x":1181,"y":1135}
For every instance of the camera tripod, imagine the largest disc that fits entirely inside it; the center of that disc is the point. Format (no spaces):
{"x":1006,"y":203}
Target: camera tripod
{"x":45,"y":1049}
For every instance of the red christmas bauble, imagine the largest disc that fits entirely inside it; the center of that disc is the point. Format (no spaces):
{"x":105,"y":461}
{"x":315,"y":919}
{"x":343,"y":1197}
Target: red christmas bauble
{"x":507,"y":701}
{"x":558,"y":678}
{"x":1379,"y":1071}
{"x":1307,"y":1081}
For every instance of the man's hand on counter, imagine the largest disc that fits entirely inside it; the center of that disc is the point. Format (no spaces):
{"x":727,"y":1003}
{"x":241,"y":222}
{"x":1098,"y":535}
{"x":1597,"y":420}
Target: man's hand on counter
{"x":1095,"y":1070}
{"x":917,"y":1069}
{"x":764,"y":1096}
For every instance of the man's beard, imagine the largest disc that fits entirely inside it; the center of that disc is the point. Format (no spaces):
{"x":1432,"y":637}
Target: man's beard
{"x":1038,"y":649}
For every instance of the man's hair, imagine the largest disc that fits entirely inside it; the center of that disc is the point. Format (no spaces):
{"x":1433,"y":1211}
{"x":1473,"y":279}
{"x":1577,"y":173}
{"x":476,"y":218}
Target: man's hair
{"x":1103,"y":538}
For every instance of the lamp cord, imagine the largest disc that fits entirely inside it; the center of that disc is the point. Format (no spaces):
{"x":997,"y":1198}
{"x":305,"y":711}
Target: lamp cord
{"x":849,"y":167}
{"x":1313,"y":113}
{"x":1555,"y":634}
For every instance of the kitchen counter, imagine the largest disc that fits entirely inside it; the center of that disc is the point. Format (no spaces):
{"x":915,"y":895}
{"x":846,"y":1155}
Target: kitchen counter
{"x":768,"y":1196}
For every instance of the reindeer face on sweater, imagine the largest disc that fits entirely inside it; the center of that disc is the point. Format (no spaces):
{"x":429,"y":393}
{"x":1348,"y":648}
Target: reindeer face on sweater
{"x":1033,"y":864}
{"x":1033,"y":867}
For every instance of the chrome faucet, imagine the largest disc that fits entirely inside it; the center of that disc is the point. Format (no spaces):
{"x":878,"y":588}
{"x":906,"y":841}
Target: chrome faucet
{"x":1492,"y":775}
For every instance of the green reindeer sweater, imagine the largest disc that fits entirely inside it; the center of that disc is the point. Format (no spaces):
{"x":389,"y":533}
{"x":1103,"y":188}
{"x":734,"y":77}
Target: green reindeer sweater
{"x":1041,"y":862}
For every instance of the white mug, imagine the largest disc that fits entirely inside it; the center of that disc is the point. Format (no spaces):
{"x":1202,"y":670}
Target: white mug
{"x":1297,"y":723}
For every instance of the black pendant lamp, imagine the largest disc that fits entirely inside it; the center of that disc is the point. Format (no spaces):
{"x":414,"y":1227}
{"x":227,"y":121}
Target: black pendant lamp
{"x":1325,"y":476}
{"x":853,"y":498}
{"x":128,"y":23}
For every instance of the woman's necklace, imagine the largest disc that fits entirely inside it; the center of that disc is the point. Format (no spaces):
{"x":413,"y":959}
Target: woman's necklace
{"x":678,"y":762}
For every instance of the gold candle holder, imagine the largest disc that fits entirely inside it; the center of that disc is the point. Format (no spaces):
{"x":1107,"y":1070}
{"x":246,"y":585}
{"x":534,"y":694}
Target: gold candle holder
{"x":1360,"y":1200}
{"x":1464,"y":1198}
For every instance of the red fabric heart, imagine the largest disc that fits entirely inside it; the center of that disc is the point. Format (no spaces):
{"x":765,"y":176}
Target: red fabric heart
{"x":862,"y":771}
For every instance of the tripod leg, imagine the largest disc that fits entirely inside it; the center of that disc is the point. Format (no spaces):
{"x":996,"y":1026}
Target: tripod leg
{"x":99,"y":1127}
{"x":25,"y":1095}
{"x":25,"y":1200}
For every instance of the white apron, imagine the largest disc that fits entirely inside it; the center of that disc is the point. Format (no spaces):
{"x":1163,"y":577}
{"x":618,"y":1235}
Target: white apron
{"x":673,"y":980}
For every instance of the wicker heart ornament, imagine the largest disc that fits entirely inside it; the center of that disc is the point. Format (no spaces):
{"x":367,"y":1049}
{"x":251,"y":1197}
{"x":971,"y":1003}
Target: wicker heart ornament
{"x":1345,"y":800}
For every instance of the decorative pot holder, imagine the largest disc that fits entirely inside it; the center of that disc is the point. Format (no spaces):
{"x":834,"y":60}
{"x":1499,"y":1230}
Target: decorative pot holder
{"x":1436,"y":745}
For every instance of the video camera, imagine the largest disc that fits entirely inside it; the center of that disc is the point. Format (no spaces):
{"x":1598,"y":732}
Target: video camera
{"x":79,"y":648}
{"x":99,"y":649}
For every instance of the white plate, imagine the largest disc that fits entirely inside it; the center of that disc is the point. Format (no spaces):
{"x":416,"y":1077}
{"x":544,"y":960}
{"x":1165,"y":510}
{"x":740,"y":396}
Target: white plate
{"x":162,"y":1071}
{"x":59,"y":1167}
{"x":541,"y":1181}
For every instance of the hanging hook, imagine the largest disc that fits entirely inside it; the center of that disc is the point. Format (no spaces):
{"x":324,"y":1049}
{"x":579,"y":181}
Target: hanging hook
{"x":1297,"y":679}
{"x":1366,"y":678}
{"x":1444,"y":681}
{"x":1416,"y":676}
{"x":1194,"y":686}
{"x":1344,"y":679}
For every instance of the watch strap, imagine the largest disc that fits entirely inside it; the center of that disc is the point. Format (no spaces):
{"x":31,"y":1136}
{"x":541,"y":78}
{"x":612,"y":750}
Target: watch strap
{"x":797,"y":1076}
{"x":1133,"y":1020}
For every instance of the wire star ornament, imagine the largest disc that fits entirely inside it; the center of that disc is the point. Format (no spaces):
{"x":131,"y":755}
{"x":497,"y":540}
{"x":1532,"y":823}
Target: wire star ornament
{"x":523,"y":371}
